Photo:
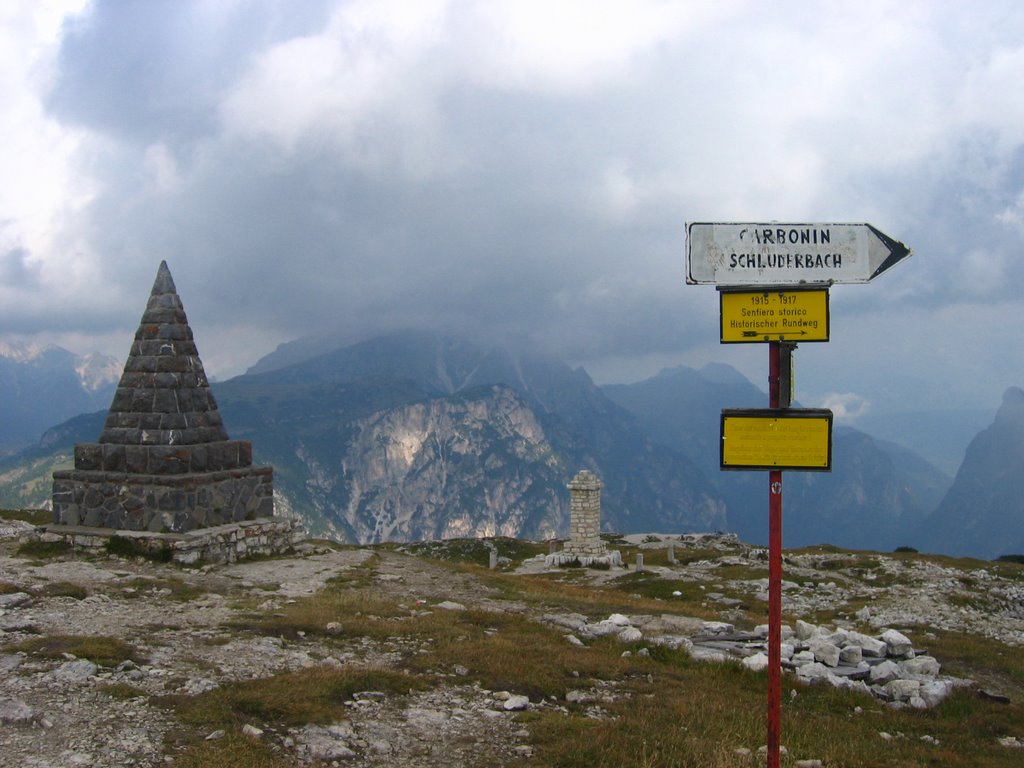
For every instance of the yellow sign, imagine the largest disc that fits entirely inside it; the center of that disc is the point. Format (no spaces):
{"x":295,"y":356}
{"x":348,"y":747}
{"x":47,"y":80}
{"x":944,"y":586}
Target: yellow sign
{"x":777,"y":439}
{"x":780,"y":314}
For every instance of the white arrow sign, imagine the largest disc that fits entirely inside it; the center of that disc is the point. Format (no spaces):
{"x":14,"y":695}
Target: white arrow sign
{"x":789,"y":254}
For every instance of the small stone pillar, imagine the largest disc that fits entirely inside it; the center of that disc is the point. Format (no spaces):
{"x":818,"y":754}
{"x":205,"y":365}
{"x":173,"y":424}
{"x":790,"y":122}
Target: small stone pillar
{"x":671,"y":553}
{"x":639,"y":561}
{"x":493,"y":559}
{"x":585,"y":544}
{"x":585,"y":515}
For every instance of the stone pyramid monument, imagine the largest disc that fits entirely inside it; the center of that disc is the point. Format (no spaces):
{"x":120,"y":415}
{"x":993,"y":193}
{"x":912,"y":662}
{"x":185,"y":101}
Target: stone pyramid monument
{"x":164,"y":462}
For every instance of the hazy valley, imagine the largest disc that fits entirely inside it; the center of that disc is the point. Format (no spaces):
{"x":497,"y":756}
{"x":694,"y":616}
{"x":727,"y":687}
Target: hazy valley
{"x":416,"y":436}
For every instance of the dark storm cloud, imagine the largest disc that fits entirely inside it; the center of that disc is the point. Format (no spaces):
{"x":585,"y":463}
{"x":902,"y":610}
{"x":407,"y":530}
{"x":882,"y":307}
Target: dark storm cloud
{"x":523,"y":171}
{"x":143,"y":71}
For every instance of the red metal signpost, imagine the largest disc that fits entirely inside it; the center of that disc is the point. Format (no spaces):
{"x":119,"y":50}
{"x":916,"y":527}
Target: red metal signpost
{"x":797,"y":256}
{"x":774,"y":573}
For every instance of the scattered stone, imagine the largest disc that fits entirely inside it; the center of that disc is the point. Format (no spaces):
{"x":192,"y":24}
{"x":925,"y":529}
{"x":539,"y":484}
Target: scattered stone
{"x":630,"y":635}
{"x":16,"y":711}
{"x":15,"y":600}
{"x":825,"y":652}
{"x":75,"y":671}
{"x":516,"y":703}
{"x":897,"y":643}
{"x":252,"y":731}
{"x":449,"y":605}
{"x":758,"y":662}
{"x":881,"y":674}
{"x":996,"y":697}
{"x":316,"y":743}
{"x":920,"y":667}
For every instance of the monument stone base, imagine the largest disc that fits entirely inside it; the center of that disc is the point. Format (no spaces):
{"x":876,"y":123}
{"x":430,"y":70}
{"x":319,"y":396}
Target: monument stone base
{"x":217,"y":544}
{"x":609,"y":559}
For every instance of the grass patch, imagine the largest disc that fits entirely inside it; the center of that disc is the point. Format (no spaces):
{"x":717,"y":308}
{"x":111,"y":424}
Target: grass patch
{"x":9,"y":588}
{"x":65,"y":589}
{"x":178,"y":589}
{"x":232,"y":751}
{"x":99,"y":649}
{"x":121,"y":691}
{"x":272,"y":702}
{"x":993,"y":665}
{"x":31,"y":516}
{"x":508,"y":652}
{"x":42,"y":550}
{"x":696,"y":715}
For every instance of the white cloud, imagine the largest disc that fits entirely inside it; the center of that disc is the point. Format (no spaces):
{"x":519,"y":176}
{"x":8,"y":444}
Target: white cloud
{"x":846,"y":407}
{"x":37,"y":154}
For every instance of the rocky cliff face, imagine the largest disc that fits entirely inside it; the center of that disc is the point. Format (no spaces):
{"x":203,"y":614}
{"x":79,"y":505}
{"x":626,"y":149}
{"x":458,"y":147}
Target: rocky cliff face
{"x":983,"y":513}
{"x":473,"y":466}
{"x":415,"y":436}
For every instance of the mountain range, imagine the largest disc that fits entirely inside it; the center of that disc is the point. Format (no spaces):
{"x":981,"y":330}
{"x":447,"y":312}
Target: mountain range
{"x":43,"y":386}
{"x":420,"y":436}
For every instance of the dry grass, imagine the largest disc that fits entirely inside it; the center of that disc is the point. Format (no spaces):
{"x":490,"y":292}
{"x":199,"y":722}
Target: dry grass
{"x":65,"y":589}
{"x":176,"y":588}
{"x":99,"y":649}
{"x":31,"y":516}
{"x":43,"y":550}
{"x":314,"y":695}
{"x":232,"y":751}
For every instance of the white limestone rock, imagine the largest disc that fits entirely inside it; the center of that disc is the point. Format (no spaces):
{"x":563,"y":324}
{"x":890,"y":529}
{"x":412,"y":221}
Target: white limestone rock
{"x":934,"y":692}
{"x":630,"y":635}
{"x":805,"y":631}
{"x":920,"y":667}
{"x":825,"y":652}
{"x":902,"y":690}
{"x":881,"y":674}
{"x":757,"y":663}
{"x":16,"y":711}
{"x":450,"y":605}
{"x":75,"y":671}
{"x":897,"y":644}
{"x":516,"y":703}
{"x":851,"y":655}
{"x":868,"y":645}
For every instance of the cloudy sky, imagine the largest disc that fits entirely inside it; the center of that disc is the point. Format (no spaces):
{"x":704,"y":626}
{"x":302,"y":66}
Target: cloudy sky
{"x":521,"y":171}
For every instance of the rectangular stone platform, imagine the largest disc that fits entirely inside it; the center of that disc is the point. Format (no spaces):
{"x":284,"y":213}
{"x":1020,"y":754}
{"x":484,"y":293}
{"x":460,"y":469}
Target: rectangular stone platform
{"x":218,"y":544}
{"x":162,"y":503}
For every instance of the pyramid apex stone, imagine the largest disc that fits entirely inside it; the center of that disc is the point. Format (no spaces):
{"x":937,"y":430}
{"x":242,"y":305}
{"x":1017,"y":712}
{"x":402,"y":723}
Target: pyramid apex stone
{"x":164,"y":283}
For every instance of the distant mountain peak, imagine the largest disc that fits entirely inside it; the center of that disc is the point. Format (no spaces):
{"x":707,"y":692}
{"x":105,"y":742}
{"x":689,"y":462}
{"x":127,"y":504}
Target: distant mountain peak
{"x":1012,"y":409}
{"x":21,"y":352}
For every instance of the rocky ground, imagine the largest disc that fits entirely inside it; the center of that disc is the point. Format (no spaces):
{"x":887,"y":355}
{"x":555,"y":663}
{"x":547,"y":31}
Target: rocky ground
{"x":59,"y":712}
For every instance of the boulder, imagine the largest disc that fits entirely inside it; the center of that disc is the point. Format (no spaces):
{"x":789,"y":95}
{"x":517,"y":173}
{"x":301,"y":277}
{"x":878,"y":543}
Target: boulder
{"x":824,"y":651}
{"x":630,"y":635}
{"x":851,"y":654}
{"x":897,"y":644}
{"x":758,"y":662}
{"x":881,"y":674}
{"x":920,"y":667}
{"x":869,"y":646}
{"x":934,"y":692}
{"x":902,"y":690}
